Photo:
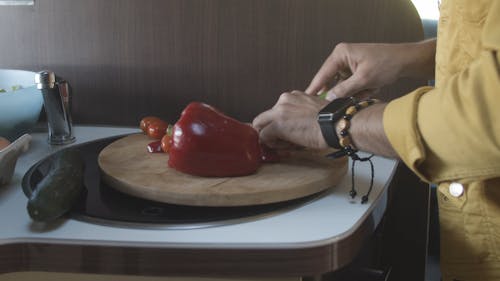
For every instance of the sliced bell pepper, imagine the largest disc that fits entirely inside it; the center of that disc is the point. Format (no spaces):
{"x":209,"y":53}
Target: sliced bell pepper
{"x":205,"y":142}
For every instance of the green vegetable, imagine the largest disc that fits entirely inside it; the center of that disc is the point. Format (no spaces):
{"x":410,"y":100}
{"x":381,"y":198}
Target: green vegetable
{"x":56,"y":193}
{"x":13,"y":88}
{"x":16,"y":87}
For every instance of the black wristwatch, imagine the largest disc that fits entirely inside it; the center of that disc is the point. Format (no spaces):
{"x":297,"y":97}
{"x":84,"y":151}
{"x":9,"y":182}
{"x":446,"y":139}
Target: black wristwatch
{"x":329,"y":116}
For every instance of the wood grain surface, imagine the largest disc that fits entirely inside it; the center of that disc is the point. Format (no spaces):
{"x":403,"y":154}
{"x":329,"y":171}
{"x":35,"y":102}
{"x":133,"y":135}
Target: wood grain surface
{"x":130,"y":58}
{"x":127,"y":166}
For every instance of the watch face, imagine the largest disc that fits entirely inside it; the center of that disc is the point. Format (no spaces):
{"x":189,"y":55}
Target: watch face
{"x":325,"y":116}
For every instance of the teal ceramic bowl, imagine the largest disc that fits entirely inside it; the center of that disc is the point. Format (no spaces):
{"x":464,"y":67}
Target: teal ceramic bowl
{"x":19,"y":109}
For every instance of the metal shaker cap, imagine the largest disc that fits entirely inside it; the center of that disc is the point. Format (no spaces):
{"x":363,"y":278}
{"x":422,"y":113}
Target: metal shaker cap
{"x":45,"y":79}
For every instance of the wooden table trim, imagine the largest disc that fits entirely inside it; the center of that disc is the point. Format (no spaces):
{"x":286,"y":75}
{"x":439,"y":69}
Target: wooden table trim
{"x":201,"y":262}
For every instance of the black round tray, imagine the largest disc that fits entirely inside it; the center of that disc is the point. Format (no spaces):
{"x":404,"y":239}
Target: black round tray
{"x":103,"y":204}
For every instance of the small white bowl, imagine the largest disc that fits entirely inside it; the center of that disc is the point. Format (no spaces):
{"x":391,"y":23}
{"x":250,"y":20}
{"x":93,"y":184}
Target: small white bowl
{"x":9,"y":155}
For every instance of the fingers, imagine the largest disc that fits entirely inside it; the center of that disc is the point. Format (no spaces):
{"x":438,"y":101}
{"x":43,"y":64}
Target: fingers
{"x":348,"y":87}
{"x":263,"y":124}
{"x":262,"y":120}
{"x":343,"y":73}
{"x":323,"y":80}
{"x":336,"y":66}
{"x":266,"y":122}
{"x":291,"y":120}
{"x":268,"y":134}
{"x":273,"y":138}
{"x":326,"y":75}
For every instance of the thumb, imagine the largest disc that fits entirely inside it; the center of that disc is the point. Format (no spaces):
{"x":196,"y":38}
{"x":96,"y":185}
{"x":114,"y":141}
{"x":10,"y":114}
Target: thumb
{"x":346,"y":88}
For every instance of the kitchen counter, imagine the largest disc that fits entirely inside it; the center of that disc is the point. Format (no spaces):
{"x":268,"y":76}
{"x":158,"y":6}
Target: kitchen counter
{"x":319,"y":236}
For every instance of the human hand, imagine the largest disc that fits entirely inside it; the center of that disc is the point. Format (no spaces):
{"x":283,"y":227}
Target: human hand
{"x":358,"y":69}
{"x":292,"y":121}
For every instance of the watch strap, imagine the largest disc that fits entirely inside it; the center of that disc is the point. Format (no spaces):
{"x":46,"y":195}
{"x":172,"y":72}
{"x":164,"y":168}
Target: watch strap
{"x":327,"y":126}
{"x":329,"y":116}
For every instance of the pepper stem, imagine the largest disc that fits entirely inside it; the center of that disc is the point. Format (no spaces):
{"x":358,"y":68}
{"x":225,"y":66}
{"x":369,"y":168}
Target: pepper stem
{"x":170,"y":130}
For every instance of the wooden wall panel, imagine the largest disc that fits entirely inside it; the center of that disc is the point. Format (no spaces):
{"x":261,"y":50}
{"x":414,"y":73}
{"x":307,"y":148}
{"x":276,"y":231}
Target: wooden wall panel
{"x":130,"y":58}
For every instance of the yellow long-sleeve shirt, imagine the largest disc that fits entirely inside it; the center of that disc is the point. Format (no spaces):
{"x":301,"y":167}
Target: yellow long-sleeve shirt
{"x":450,"y":135}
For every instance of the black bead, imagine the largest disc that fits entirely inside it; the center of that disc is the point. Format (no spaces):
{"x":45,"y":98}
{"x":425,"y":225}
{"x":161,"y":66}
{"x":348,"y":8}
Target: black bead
{"x":353,"y":193}
{"x":344,"y":133}
{"x":364,"y":199}
{"x":351,"y":152}
{"x":347,"y":117}
{"x":357,"y":106}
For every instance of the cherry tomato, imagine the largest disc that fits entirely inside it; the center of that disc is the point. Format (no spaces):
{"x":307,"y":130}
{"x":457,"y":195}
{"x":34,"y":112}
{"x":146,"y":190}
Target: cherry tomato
{"x":146,"y":121}
{"x":157,"y":129}
{"x":166,"y":142}
{"x":155,"y":147}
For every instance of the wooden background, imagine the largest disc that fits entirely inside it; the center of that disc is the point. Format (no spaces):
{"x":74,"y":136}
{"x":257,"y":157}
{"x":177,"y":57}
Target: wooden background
{"x":129,"y":58}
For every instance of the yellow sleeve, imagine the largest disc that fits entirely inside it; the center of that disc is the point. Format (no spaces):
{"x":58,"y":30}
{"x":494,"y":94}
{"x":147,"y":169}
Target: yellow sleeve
{"x":453,"y":132}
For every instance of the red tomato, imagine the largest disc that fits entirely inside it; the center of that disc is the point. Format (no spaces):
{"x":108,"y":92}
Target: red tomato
{"x":166,"y":142}
{"x":146,"y":121}
{"x":157,"y":129}
{"x":269,"y":155}
{"x":155,"y":147}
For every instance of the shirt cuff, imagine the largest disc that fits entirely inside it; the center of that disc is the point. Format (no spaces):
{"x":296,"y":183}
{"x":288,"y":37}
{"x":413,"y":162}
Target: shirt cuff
{"x":401,"y":128}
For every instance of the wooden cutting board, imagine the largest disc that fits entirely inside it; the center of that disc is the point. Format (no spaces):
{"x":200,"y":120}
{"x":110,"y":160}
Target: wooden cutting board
{"x":128,"y":167}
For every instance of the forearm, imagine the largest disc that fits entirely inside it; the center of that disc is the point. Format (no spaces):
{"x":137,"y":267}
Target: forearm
{"x":417,"y":59}
{"x":367,"y":131}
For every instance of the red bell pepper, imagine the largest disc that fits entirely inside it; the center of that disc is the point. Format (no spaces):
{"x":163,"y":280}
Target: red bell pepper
{"x":205,"y":142}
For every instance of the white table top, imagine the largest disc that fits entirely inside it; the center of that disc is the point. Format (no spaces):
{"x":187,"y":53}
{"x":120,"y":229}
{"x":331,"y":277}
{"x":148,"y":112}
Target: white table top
{"x":330,"y":218}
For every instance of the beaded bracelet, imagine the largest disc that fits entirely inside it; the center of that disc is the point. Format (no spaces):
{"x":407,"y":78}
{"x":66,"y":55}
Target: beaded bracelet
{"x":348,"y":148}
{"x":344,"y":124}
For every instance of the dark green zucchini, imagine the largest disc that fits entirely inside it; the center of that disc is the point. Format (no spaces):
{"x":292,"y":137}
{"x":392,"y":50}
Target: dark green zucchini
{"x":56,"y":193}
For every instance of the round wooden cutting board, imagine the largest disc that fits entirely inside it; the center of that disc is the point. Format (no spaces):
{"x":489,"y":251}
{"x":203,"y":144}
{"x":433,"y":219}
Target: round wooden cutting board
{"x":128,"y":167}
